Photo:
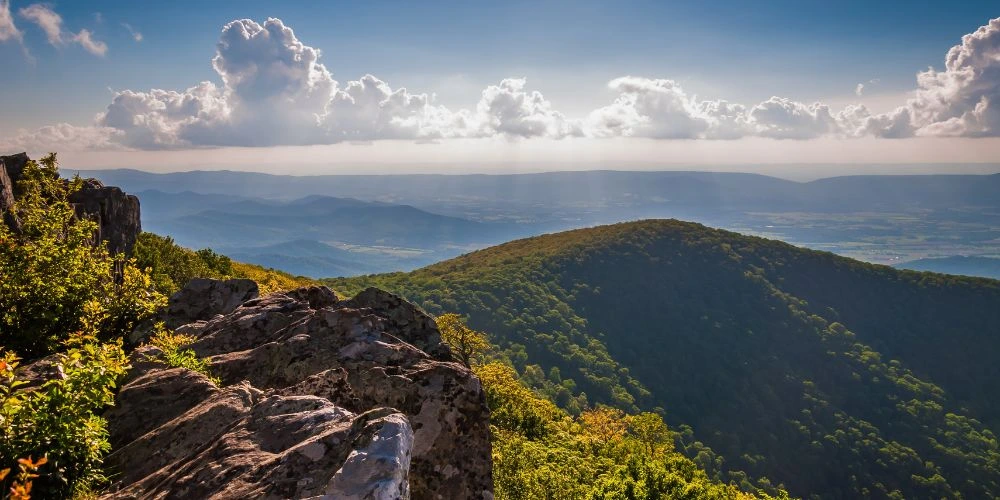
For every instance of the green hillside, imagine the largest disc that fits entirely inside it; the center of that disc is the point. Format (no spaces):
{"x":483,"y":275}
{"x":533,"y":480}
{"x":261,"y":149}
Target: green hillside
{"x":830,"y":376}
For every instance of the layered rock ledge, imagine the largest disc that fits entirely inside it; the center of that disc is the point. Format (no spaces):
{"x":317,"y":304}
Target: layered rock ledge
{"x":319,"y":398}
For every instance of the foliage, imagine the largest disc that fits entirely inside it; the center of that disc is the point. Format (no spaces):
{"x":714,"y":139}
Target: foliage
{"x":466,"y":344}
{"x":55,"y":280}
{"x":540,"y":451}
{"x":172,"y":344}
{"x":831,"y":376}
{"x":23,"y":481}
{"x":269,"y":280}
{"x":172,"y":266}
{"x":58,"y":420}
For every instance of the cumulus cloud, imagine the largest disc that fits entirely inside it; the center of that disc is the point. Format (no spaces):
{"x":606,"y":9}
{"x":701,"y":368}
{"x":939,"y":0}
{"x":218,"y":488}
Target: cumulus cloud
{"x":780,"y":118}
{"x":275,"y":91}
{"x":859,"y":90}
{"x":51,"y":23}
{"x":964,"y":99}
{"x":661,"y":109}
{"x":369,"y":109}
{"x":510,"y":110}
{"x":8,"y":30}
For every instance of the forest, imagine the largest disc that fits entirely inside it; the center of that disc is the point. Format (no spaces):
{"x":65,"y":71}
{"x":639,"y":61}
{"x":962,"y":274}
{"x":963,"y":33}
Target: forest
{"x":828,"y":376}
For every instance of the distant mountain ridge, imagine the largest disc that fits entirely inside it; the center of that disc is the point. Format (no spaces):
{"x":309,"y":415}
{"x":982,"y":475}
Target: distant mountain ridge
{"x":301,"y":236}
{"x":885,"y":219}
{"x":961,"y":265}
{"x":725,"y":189}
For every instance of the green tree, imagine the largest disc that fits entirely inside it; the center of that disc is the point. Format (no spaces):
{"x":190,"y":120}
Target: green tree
{"x":466,"y":344}
{"x":650,"y":430}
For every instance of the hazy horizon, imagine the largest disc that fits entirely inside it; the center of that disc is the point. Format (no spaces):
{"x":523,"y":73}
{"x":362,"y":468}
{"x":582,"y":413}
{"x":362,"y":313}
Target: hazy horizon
{"x":798,"y":173}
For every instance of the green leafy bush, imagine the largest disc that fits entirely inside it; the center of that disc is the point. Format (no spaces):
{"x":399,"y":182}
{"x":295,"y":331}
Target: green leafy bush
{"x":58,"y":420}
{"x":171,"y":344}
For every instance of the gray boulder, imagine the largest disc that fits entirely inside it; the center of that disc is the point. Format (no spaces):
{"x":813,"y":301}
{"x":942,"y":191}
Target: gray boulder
{"x":204,"y":298}
{"x":319,"y":398}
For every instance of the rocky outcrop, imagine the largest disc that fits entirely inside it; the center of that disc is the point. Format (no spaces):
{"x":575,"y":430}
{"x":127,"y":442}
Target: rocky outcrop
{"x":319,"y":398}
{"x":116,"y":213}
{"x":205,"y":298}
{"x":10,"y":171}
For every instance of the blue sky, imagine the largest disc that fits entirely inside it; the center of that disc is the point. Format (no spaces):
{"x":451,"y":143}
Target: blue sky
{"x":568,"y":52}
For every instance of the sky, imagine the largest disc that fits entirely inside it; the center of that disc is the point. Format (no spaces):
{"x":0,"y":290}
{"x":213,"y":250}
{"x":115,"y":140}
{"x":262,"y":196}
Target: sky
{"x":331,"y":87}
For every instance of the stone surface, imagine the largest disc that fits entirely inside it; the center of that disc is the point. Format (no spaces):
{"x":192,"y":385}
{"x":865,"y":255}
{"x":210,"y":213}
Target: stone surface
{"x":10,"y":171}
{"x":319,"y":398}
{"x":203,"y":298}
{"x":116,"y":214}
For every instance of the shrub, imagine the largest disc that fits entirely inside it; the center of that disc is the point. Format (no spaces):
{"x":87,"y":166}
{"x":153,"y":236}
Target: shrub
{"x":58,"y":419}
{"x":171,"y":344}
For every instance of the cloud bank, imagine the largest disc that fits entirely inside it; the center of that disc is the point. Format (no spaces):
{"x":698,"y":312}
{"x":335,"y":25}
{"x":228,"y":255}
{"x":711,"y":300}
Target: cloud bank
{"x":273,"y":89}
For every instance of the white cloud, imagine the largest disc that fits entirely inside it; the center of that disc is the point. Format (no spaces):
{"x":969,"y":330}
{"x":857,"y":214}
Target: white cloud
{"x":859,"y":90}
{"x":508,"y":109}
{"x":86,"y":41}
{"x":160,"y":119}
{"x":661,"y":109}
{"x":63,"y":137}
{"x":51,"y":23}
{"x":781,"y":118}
{"x":369,"y":109}
{"x":136,"y":35}
{"x":8,"y":30}
{"x":658,"y":109}
{"x":275,"y":91}
{"x":962,"y":100}
{"x":46,"y":19}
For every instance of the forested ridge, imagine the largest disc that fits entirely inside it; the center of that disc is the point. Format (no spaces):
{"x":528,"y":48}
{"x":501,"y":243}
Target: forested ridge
{"x":829,"y":376}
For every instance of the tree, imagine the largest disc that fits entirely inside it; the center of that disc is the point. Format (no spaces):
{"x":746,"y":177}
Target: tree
{"x":467,"y":344}
{"x":604,"y":424}
{"x":649,"y":429}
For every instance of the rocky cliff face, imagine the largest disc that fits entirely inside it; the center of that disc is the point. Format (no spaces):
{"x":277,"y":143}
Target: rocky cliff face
{"x":10,"y":172}
{"x":116,"y":213}
{"x":319,"y":398}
